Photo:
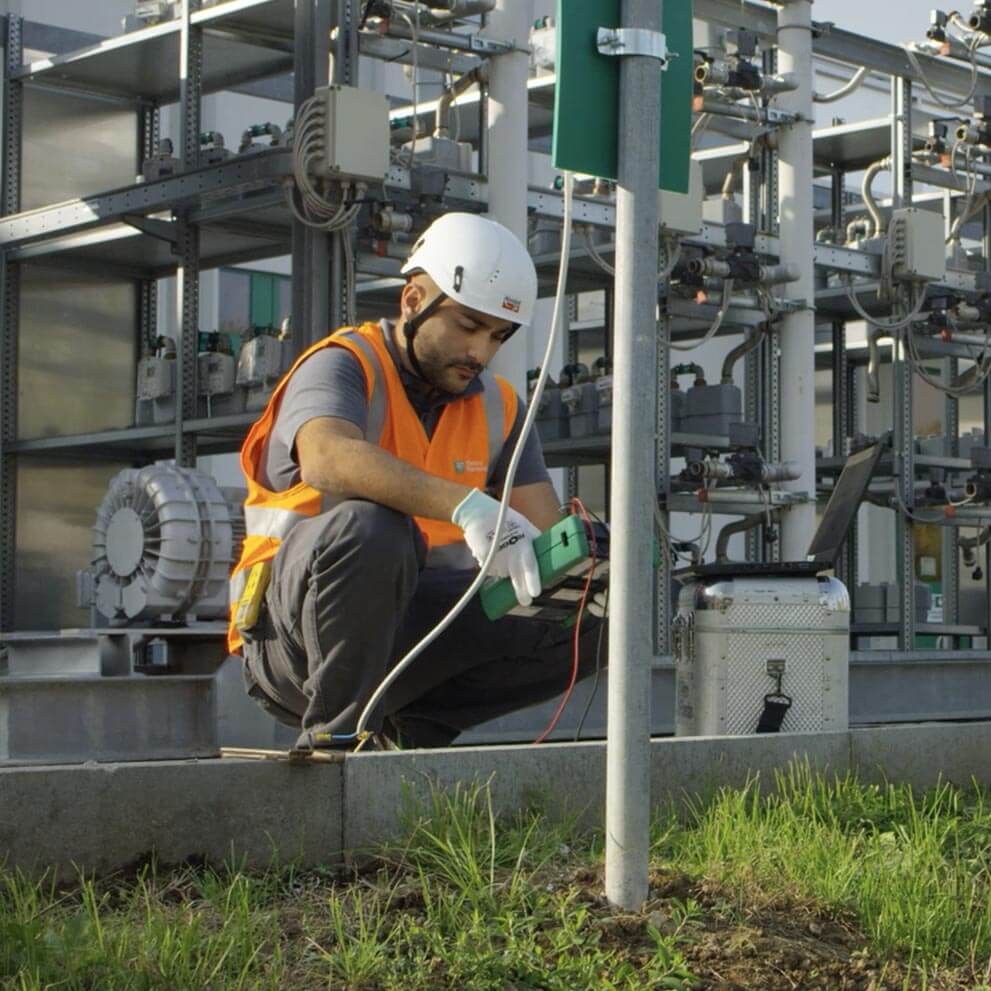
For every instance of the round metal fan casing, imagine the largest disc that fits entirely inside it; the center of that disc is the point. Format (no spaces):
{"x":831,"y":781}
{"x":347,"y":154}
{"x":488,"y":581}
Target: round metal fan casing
{"x":165,"y":541}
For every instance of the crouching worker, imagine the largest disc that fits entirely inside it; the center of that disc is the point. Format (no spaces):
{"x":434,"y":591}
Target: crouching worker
{"x":373,"y":478}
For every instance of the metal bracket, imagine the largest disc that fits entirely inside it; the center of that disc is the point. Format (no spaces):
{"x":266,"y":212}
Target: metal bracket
{"x":164,"y":230}
{"x":635,"y":41}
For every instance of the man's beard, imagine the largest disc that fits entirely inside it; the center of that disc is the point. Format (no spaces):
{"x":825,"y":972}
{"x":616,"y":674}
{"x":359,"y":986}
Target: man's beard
{"x":438,"y":370}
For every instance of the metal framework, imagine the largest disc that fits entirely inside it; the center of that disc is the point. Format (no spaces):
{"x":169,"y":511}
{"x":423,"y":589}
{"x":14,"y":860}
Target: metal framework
{"x":234,"y":211}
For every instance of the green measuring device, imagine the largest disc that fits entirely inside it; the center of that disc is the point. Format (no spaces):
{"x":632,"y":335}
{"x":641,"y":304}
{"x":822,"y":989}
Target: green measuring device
{"x":564,"y":558}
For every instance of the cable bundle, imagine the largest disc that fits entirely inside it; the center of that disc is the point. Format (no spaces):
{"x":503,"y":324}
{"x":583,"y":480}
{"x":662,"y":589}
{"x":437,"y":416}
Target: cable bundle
{"x":312,"y":206}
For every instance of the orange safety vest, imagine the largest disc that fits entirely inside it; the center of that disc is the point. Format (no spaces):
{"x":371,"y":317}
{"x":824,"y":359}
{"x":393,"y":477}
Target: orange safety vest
{"x":465,"y":446}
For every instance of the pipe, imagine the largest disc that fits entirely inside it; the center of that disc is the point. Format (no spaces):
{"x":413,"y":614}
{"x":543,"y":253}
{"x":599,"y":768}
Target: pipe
{"x":744,"y":496}
{"x":745,"y":525}
{"x":797,"y":244}
{"x":868,"y":197}
{"x":860,"y":225}
{"x":729,"y":183}
{"x":781,"y":83}
{"x":784,"y":472}
{"x":970,"y":544}
{"x":508,"y":155}
{"x":447,"y":98}
{"x":874,"y":364}
{"x":749,"y":343}
{"x":633,"y":481}
{"x":775,"y":275}
{"x":845,"y":90}
{"x":742,"y":111}
{"x":443,"y":10}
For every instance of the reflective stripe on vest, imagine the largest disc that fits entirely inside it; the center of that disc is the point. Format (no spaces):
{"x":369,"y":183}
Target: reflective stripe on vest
{"x":456,"y":451}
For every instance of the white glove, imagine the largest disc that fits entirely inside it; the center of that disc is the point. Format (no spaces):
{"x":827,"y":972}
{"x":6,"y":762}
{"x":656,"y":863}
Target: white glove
{"x":476,"y":514}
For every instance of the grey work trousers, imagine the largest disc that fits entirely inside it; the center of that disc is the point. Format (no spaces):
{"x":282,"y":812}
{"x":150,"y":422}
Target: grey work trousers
{"x":349,"y":596}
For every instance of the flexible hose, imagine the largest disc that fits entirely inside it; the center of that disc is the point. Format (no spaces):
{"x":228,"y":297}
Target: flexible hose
{"x":846,"y":89}
{"x":868,"y":196}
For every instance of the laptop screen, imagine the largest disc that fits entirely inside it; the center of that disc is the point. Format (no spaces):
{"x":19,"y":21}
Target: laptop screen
{"x":843,"y":504}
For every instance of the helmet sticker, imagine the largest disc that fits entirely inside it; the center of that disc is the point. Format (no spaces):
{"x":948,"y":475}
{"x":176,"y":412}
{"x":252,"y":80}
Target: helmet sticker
{"x":513,"y":305}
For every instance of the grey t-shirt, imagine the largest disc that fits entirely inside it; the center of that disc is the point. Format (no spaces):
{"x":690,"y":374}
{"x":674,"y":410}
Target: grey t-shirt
{"x":332,"y":383}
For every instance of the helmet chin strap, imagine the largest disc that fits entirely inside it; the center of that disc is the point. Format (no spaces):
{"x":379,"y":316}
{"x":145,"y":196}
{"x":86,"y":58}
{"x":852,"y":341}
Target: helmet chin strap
{"x":410,"y":326}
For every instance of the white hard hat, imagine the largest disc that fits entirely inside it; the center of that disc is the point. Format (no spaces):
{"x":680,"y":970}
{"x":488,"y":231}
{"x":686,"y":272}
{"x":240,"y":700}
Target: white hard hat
{"x":479,"y":264}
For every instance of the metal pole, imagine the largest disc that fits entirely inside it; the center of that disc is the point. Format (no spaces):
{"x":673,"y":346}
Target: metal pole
{"x":797,"y":329}
{"x":508,"y":147}
{"x":631,"y":639}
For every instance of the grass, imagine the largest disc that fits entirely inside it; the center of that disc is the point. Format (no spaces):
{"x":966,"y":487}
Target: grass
{"x":847,"y":882}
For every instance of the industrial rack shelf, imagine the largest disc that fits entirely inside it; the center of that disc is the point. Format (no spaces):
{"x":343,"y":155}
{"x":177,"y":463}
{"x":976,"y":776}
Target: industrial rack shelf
{"x":235,"y":212}
{"x":242,"y":40}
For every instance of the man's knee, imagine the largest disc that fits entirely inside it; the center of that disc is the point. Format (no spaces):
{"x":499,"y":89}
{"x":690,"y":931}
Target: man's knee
{"x":377,"y":534}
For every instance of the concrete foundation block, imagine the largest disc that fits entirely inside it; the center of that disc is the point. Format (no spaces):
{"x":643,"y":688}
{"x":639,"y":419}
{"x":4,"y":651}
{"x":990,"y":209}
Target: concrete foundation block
{"x":923,"y":755}
{"x":101,"y":817}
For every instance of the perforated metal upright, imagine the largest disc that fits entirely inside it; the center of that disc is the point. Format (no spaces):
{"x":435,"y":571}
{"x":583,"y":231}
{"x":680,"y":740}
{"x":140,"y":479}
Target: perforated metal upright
{"x":9,"y":323}
{"x":846,"y":565}
{"x":762,"y":391}
{"x":187,"y":240}
{"x":345,"y":74}
{"x":664,"y":607}
{"x":903,"y":377}
{"x":149,"y":129}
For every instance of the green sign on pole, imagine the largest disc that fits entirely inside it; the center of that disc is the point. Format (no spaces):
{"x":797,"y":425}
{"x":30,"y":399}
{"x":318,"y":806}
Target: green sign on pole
{"x":586,"y":102}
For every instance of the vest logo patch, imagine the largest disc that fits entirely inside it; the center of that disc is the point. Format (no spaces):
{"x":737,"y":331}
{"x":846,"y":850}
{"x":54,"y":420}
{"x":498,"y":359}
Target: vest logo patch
{"x":472,"y":467}
{"x":513,"y":305}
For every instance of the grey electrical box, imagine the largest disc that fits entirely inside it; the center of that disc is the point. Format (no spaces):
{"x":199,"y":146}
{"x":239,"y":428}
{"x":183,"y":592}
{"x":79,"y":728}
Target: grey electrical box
{"x":581,"y":406}
{"x":681,"y":213}
{"x":711,"y":409}
{"x":356,"y":133}
{"x":917,"y":245}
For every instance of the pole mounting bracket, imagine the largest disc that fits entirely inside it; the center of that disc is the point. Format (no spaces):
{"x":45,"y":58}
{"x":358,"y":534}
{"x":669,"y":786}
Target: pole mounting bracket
{"x":635,"y":41}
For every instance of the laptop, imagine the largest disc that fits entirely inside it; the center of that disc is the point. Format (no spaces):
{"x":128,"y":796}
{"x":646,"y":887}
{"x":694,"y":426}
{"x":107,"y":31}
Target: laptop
{"x":841,"y":511}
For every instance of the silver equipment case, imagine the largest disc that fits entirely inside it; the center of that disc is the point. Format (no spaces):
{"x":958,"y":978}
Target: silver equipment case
{"x":743,"y":646}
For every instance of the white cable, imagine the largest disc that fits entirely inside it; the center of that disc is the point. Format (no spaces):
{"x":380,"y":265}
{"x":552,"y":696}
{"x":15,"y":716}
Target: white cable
{"x":948,"y":104}
{"x":507,"y":492}
{"x":674,"y":254}
{"x":883,"y":324}
{"x":716,"y":324}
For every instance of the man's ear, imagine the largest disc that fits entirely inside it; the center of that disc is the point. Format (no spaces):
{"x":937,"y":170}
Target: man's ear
{"x":411,"y":299}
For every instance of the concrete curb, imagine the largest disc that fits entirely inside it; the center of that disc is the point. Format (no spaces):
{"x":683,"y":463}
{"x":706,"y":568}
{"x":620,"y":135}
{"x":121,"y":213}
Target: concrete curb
{"x":104,"y":817}
{"x":101,"y":817}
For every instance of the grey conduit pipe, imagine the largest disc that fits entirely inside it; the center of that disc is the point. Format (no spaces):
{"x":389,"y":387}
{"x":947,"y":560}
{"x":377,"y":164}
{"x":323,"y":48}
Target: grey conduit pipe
{"x":845,"y":90}
{"x":874,"y":364}
{"x":868,"y":196}
{"x":447,"y":98}
{"x":970,"y":544}
{"x":744,"y":525}
{"x":751,"y":341}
